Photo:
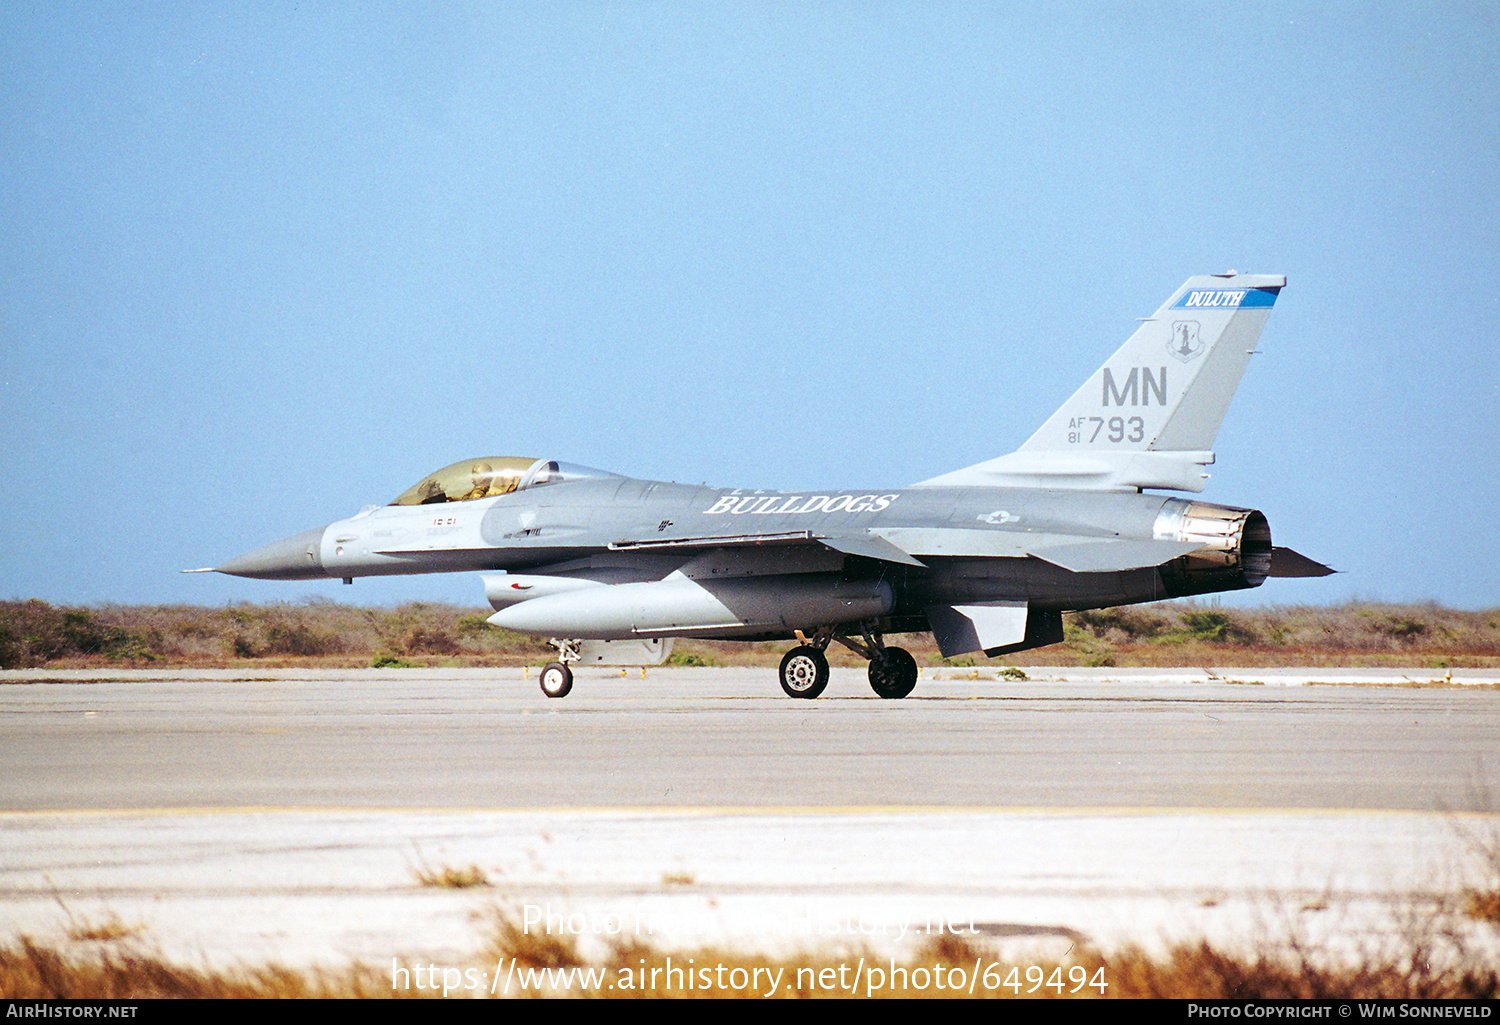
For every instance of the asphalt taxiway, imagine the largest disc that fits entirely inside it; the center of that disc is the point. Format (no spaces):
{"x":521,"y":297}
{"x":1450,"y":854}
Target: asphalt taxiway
{"x":285,"y":815}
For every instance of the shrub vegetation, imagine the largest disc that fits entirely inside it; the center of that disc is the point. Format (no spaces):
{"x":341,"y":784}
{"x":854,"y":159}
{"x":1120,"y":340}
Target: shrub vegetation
{"x":35,"y":634}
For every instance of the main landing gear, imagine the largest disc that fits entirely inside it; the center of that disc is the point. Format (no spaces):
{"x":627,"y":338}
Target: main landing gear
{"x":894,"y":673}
{"x":804,"y":670}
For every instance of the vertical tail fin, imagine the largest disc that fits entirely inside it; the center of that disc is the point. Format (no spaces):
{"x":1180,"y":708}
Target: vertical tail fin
{"x":1148,"y":417}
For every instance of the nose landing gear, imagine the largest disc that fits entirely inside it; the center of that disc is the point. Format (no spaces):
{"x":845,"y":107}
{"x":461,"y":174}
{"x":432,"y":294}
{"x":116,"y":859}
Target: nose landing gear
{"x":557,"y":677}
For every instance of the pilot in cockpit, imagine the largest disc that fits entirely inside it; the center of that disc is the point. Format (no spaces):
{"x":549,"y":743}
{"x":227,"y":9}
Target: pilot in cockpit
{"x":479,"y":478}
{"x":486,"y":483}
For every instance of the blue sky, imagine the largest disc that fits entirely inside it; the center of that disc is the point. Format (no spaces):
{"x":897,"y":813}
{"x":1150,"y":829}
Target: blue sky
{"x":261,"y":265}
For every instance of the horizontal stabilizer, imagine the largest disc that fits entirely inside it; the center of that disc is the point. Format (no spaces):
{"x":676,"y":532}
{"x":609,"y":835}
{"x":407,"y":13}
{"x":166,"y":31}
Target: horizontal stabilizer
{"x":1114,"y":556}
{"x":1105,"y":555}
{"x":1287,"y":563}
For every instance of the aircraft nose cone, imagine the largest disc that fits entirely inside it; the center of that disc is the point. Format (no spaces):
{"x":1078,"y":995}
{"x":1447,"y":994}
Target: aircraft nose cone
{"x":292,"y":558}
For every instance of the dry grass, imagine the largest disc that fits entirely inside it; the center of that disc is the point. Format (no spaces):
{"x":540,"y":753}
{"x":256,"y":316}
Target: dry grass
{"x":327,"y":634}
{"x":1202,"y":972}
{"x":112,"y":928}
{"x":447,"y":877}
{"x":32,"y":972}
{"x":1430,"y":953}
{"x":1484,"y":905}
{"x":1481,"y":897}
{"x":1429,"y":956}
{"x":316,"y":633}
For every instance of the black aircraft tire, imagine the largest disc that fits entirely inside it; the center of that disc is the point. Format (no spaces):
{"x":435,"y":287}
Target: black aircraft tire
{"x":804,"y":672}
{"x":894,"y":675}
{"x":557,"y":680}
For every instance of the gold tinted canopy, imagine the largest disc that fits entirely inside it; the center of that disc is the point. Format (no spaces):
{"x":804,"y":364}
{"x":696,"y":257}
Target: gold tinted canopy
{"x":473,"y":478}
{"x":489,"y":476}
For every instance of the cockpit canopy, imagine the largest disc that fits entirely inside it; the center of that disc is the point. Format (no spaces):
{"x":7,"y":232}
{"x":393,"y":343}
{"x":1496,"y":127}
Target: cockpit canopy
{"x":489,"y":476}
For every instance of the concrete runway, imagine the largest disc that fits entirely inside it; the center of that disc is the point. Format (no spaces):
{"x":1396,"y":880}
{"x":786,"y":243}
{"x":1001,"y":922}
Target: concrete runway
{"x":281,"y":814}
{"x":729,"y":738}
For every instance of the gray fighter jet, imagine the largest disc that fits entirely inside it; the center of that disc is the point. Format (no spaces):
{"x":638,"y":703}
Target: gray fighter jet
{"x":988,"y":557}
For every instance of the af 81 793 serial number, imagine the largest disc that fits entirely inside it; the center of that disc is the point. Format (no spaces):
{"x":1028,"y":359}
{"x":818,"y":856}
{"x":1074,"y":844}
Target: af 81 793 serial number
{"x":1087,"y":430}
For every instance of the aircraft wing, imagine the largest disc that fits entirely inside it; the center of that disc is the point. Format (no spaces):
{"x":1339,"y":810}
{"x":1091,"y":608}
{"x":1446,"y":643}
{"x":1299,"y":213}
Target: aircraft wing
{"x":871,"y":546}
{"x":907,"y":545}
{"x":868,"y":545}
{"x":709,"y":542}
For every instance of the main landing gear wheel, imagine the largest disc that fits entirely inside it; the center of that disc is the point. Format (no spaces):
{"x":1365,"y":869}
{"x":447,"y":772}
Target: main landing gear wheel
{"x":804,"y":672}
{"x":557,"y":680}
{"x":894,"y":673}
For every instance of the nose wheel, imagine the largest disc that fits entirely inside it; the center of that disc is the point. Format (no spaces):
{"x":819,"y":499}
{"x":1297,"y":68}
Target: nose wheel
{"x":557,"y":677}
{"x":557,"y":680}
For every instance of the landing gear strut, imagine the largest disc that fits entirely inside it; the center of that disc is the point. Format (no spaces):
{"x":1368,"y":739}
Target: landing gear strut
{"x":557,"y":677}
{"x":804,"y":670}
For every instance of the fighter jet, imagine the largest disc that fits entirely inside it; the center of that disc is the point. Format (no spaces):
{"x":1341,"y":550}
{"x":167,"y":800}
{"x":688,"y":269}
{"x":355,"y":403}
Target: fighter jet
{"x":610,"y":568}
